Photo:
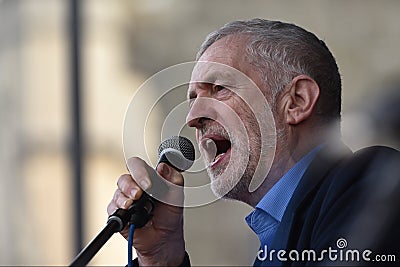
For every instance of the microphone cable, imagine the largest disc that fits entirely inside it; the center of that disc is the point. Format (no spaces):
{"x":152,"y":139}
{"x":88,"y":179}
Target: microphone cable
{"x":130,"y":243}
{"x":179,"y":153}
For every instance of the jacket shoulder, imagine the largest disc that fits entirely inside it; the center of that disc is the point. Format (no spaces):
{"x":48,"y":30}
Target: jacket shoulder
{"x":357,"y":198}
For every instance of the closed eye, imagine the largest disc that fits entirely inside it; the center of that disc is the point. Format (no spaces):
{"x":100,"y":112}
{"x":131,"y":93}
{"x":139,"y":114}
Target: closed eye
{"x":221,"y":92}
{"x":218,"y":87}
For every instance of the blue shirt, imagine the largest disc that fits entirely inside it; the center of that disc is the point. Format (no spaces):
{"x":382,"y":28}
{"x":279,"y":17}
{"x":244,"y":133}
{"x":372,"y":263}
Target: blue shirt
{"x":265,"y":219}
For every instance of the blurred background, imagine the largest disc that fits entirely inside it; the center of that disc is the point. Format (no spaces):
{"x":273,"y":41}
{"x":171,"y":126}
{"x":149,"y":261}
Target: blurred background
{"x":121,"y":43}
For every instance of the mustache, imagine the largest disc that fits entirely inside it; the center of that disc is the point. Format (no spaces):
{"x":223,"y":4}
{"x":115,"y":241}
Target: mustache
{"x":213,"y":128}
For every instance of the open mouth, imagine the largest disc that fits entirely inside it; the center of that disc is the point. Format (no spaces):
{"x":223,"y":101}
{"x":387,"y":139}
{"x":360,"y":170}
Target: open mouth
{"x":220,"y":149}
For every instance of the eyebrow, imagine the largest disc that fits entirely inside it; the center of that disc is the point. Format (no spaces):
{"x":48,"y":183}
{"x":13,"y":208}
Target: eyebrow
{"x":214,"y":76}
{"x":227,"y":78}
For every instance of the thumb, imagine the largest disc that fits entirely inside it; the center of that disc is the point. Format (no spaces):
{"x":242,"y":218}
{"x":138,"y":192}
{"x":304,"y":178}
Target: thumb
{"x":170,"y":174}
{"x":175,"y":195}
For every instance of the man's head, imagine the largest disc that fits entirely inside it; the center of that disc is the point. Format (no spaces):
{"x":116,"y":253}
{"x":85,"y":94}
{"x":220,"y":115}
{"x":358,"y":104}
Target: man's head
{"x":281,"y":51}
{"x":298,"y":78}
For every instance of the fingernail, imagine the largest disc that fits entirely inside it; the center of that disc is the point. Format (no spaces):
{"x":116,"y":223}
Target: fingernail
{"x":128,"y":203}
{"x":145,"y":184}
{"x":133,"y":193}
{"x":165,"y":170}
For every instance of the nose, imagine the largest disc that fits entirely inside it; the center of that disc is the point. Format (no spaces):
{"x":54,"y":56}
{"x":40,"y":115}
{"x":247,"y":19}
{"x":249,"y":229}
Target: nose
{"x":202,"y":109}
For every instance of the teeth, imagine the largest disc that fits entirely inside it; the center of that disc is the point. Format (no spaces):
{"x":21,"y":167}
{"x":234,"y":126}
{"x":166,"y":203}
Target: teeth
{"x":209,"y":149}
{"x":218,"y":156}
{"x":210,"y":145}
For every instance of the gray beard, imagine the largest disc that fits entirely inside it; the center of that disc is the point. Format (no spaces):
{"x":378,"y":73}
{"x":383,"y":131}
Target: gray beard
{"x":233,"y":185}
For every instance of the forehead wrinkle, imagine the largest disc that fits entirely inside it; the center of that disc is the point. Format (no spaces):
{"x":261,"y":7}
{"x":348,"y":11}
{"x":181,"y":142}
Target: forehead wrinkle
{"x":213,"y":76}
{"x":226,"y":51}
{"x":229,"y":78}
{"x":222,"y":75}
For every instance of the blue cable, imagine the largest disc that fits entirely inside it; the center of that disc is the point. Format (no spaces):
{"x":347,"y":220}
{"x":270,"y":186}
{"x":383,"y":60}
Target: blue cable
{"x":130,"y":243}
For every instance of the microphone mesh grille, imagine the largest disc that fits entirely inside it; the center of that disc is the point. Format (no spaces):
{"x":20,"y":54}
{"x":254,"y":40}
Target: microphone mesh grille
{"x":179,"y":143}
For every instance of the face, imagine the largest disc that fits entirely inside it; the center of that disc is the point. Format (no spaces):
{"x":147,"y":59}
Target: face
{"x":224,"y":103}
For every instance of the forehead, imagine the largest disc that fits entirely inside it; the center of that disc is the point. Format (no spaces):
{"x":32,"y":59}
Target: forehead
{"x":228,"y":50}
{"x":229,"y":55}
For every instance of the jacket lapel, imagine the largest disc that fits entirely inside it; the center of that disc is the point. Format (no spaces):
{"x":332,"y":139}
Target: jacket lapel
{"x":322,"y":164}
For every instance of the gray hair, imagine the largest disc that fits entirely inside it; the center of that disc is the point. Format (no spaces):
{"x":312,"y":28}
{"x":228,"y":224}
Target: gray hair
{"x":281,"y":51}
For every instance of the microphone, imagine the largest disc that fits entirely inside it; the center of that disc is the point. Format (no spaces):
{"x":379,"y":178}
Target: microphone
{"x":176,"y":151}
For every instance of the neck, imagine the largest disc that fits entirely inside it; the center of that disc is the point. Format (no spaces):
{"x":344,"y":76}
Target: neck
{"x":287,"y":154}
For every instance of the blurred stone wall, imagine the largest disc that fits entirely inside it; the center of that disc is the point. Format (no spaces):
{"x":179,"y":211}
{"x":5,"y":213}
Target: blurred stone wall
{"x":124,"y":42}
{"x":10,"y":135}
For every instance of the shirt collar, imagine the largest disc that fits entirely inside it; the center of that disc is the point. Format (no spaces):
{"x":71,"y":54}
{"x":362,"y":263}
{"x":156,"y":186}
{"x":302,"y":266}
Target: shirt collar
{"x":277,"y":198}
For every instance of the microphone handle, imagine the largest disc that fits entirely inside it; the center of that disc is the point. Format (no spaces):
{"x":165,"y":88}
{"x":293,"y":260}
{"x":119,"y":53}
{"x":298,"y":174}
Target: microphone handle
{"x":140,"y":212}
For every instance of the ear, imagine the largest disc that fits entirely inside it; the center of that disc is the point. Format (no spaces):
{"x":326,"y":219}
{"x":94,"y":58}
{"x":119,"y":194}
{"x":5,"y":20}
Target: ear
{"x":301,"y":99}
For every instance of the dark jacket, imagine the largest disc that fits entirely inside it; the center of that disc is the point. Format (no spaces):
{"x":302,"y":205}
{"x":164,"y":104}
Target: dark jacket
{"x":345,"y":201}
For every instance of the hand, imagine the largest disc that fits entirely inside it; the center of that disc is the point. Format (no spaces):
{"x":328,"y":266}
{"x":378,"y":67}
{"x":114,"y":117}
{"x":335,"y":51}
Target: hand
{"x":160,"y":241}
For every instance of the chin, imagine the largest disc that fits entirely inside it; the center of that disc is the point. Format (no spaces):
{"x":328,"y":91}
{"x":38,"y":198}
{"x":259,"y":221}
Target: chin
{"x":227,"y":186}
{"x":219,"y":185}
{"x":236,"y":193}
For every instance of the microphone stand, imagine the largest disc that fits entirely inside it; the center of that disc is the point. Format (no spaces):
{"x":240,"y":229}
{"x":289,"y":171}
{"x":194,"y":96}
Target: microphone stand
{"x":139,"y":213}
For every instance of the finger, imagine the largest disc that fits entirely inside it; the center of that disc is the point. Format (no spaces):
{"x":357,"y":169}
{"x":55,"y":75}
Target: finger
{"x":175,"y":193}
{"x":138,"y":169}
{"x":170,"y":174}
{"x":129,"y":187}
{"x":121,"y":200}
{"x":111,"y":208}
